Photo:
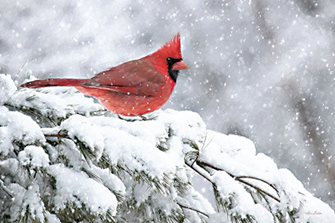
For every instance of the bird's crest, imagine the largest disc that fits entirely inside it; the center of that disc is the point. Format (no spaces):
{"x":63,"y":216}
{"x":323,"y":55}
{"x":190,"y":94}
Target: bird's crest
{"x":171,"y":49}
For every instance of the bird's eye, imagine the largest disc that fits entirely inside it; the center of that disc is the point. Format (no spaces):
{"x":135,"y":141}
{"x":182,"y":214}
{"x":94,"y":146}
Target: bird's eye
{"x":168,"y":59}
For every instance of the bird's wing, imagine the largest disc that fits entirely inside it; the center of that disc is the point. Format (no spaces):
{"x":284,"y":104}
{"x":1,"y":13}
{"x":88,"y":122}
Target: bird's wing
{"x":138,"y":77}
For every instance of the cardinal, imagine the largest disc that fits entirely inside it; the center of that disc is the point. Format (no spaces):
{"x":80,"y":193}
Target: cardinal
{"x":134,"y":88}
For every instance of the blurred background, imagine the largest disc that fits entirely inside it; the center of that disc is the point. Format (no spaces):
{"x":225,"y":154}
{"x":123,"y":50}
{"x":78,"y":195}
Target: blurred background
{"x":263,"y":69}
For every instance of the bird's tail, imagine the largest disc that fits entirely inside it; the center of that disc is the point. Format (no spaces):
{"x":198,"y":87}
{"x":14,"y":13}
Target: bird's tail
{"x":55,"y":82}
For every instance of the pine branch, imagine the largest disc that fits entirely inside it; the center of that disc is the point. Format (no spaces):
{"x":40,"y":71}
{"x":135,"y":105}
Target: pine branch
{"x":5,"y":189}
{"x":35,"y":114}
{"x":59,"y":136}
{"x":239,"y":178}
{"x":88,"y":154}
{"x":256,"y":178}
{"x":198,"y":170}
{"x":192,"y":209}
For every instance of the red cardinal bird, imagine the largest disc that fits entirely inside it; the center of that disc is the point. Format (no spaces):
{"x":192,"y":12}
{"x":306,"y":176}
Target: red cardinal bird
{"x":133,"y":88}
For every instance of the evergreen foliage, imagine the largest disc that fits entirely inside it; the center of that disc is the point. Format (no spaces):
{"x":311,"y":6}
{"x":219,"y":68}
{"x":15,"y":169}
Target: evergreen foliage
{"x":64,"y":159}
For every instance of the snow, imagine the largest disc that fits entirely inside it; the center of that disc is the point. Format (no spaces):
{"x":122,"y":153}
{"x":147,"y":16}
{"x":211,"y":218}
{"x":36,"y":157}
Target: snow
{"x":56,"y":106}
{"x":81,"y":190}
{"x":86,"y":131}
{"x":243,"y":203}
{"x":110,"y":181}
{"x":239,"y":154}
{"x":250,"y":63}
{"x":139,"y":151}
{"x":7,"y":88}
{"x":137,"y":162}
{"x":32,"y":202}
{"x":33,"y":156}
{"x":18,"y":127}
{"x":312,"y":210}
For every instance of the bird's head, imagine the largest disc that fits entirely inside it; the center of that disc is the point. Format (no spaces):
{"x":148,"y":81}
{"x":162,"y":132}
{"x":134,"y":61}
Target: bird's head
{"x":169,"y":58}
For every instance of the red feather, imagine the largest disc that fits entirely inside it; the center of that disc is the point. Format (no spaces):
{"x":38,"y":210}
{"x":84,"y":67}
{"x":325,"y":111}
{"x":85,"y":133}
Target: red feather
{"x":133,"y":88}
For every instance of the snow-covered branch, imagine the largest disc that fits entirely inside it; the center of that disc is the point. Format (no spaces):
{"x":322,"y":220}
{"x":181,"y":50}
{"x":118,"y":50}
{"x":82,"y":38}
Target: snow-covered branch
{"x":61,"y":163}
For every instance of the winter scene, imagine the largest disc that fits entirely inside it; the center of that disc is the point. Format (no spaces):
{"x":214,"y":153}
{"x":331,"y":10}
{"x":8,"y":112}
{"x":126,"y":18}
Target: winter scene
{"x":167,"y":111}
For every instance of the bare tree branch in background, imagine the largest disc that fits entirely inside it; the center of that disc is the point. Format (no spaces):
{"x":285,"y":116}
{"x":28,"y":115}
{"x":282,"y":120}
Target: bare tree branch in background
{"x":310,"y":7}
{"x":317,"y":142}
{"x":262,"y":22}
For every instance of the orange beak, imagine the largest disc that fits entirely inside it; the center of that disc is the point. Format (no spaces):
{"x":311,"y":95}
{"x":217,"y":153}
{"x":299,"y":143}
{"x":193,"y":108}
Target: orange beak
{"x":179,"y":66}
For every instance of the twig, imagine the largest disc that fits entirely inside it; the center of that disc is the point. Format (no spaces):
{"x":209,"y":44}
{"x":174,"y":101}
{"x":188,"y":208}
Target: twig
{"x":192,"y":166}
{"x":256,"y":178}
{"x":204,"y":146}
{"x":4,"y":188}
{"x":21,"y":68}
{"x":238,"y":178}
{"x":58,"y":136}
{"x":259,"y":189}
{"x":193,"y":209}
{"x":243,"y":181}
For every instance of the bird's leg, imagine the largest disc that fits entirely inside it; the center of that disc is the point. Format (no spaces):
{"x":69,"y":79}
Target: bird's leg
{"x":59,"y":136}
{"x":132,"y":119}
{"x":142,"y":117}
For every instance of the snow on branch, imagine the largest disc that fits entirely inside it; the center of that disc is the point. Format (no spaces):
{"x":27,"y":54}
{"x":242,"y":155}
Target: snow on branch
{"x":64,"y":158}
